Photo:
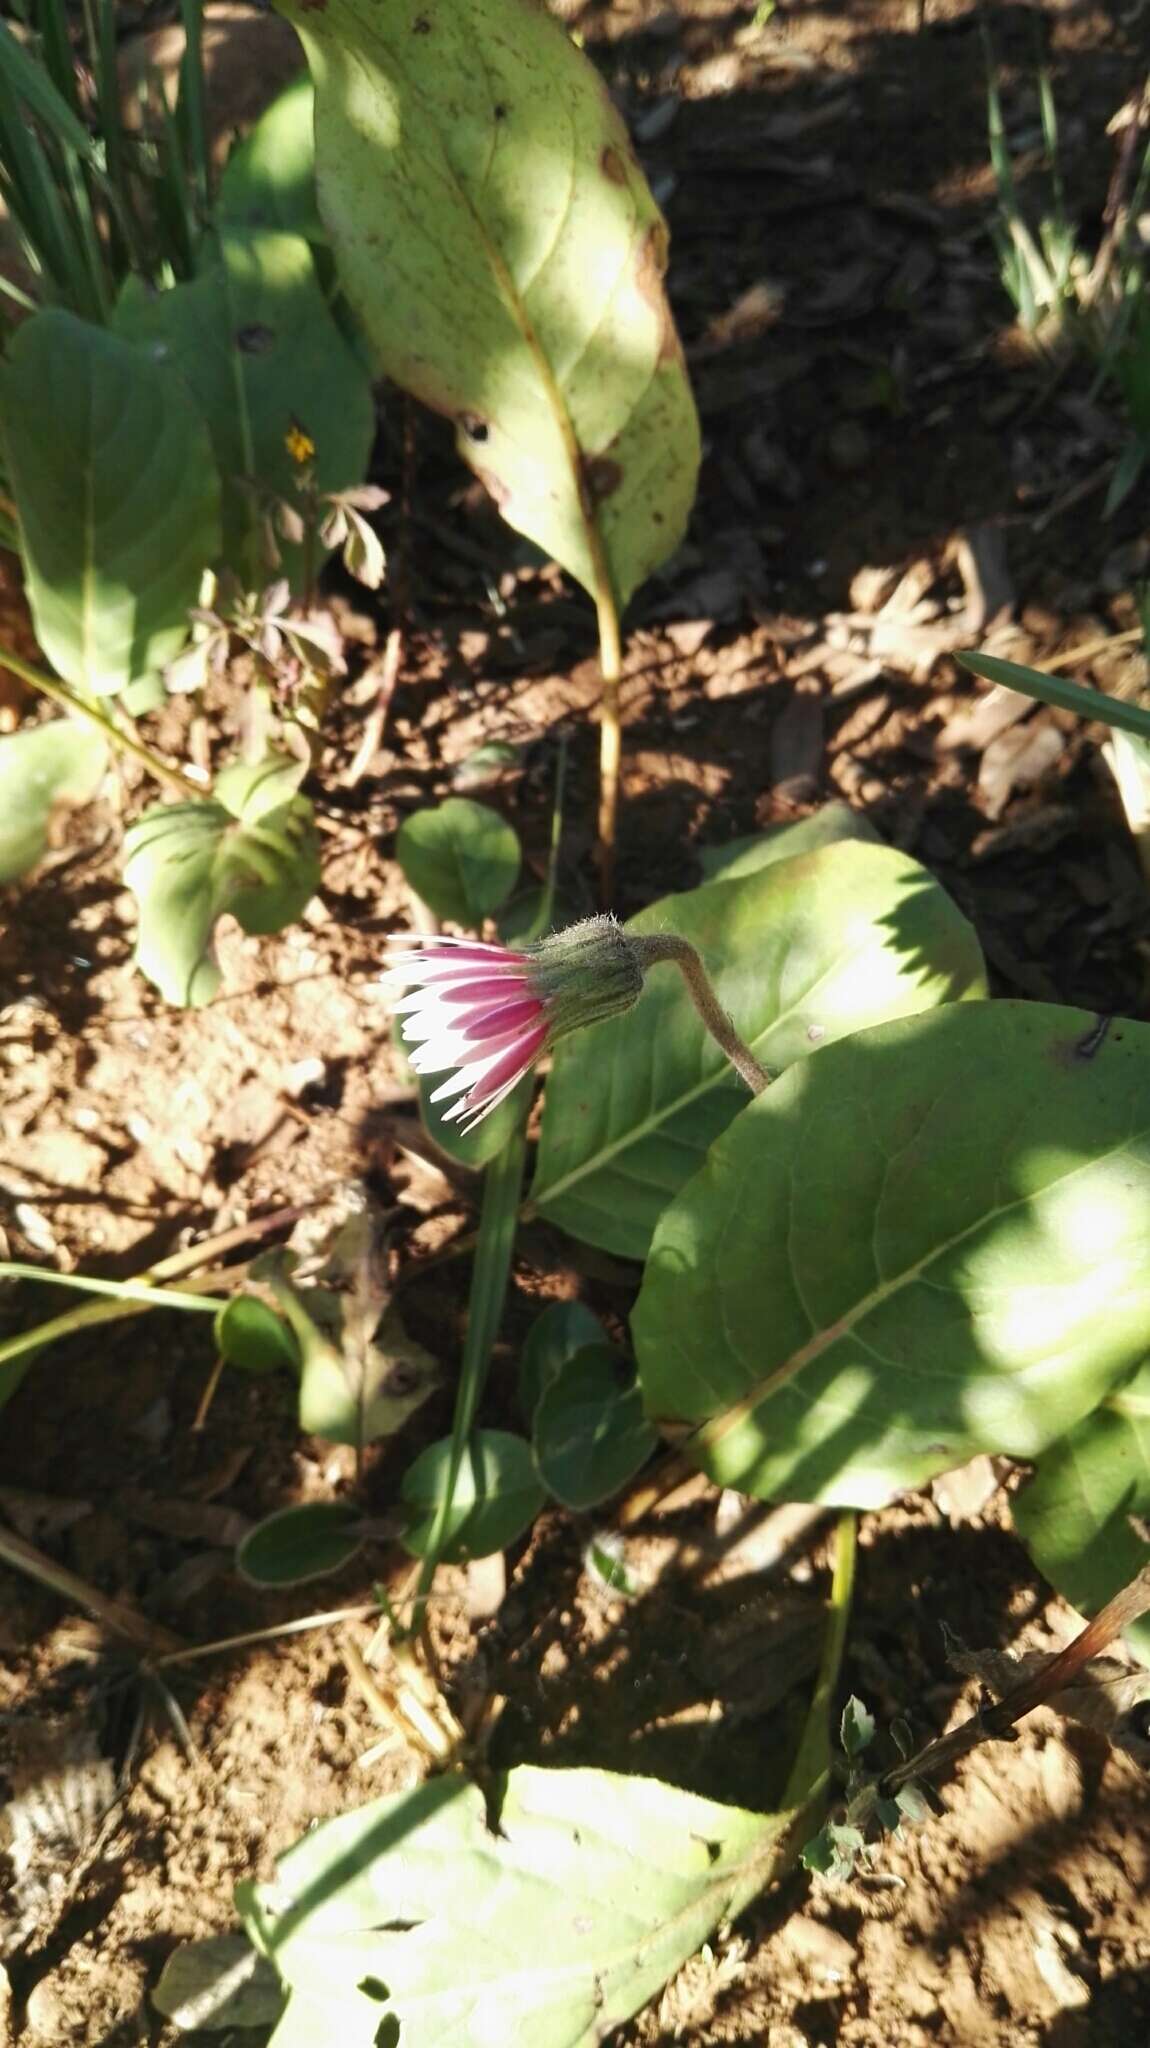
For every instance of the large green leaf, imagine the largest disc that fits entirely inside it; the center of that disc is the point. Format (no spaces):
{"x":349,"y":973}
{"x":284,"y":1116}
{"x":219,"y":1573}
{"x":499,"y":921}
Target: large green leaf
{"x":250,"y":850}
{"x":930,"y":1241}
{"x":1072,"y":1515}
{"x":269,"y":180}
{"x":45,"y":765}
{"x":496,"y":237}
{"x":801,"y":953}
{"x":111,"y":469}
{"x":546,"y":1930}
{"x":257,"y":344}
{"x":825,"y":827}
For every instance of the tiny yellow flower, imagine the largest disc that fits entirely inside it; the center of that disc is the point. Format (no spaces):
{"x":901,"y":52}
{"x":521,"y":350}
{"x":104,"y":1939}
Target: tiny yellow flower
{"x":299,"y":445}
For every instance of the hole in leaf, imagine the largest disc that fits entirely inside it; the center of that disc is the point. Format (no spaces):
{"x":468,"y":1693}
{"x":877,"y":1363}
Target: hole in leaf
{"x":256,"y":339}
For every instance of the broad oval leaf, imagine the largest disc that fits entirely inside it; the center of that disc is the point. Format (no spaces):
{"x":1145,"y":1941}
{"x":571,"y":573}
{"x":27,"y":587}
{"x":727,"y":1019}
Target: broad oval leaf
{"x":497,"y":1495}
{"x":186,"y":864}
{"x":563,"y":1328}
{"x":42,"y":767}
{"x":801,"y":953}
{"x":112,"y":472}
{"x":825,"y":827}
{"x":461,"y":858}
{"x":496,"y":237}
{"x":929,"y":1242}
{"x":257,"y":345}
{"x":269,"y":178}
{"x":251,"y":1336}
{"x":547,"y":1930}
{"x":590,"y":1434}
{"x":1072,"y":1515}
{"x":302,"y":1543}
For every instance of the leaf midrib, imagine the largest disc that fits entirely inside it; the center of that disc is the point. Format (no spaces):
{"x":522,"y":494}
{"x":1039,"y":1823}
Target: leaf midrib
{"x":719,"y":1426}
{"x":604,"y":585}
{"x":636,"y":1133}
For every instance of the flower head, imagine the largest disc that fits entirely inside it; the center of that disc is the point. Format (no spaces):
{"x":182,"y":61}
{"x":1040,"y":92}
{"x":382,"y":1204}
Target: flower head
{"x":484,"y":1014}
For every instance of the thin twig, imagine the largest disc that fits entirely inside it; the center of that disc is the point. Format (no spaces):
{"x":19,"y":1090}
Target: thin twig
{"x":610,"y":726}
{"x":1116,"y":213}
{"x":119,"y":1619}
{"x":995,"y":1723}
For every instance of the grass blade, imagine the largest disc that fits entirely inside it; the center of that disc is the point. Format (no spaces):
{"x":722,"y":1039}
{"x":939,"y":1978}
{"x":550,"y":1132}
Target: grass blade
{"x":1057,"y":691}
{"x":191,"y":112}
{"x":31,"y":82}
{"x":56,"y":52}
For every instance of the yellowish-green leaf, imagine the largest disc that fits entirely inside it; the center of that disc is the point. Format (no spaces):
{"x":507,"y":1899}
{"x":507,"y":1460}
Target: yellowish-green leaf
{"x":498,"y":240}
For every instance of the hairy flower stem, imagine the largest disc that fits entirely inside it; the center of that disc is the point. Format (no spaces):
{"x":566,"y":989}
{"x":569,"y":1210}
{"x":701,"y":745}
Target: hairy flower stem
{"x":667,"y":946}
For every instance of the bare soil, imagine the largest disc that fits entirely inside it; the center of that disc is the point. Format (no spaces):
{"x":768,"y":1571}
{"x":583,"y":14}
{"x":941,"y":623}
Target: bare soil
{"x":872,"y":423}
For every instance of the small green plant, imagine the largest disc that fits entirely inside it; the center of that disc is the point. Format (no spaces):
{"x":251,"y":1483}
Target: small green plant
{"x":1067,"y":298}
{"x":180,"y":410}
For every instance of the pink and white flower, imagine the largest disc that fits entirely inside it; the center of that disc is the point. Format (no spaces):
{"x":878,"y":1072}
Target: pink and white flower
{"x":483,"y":1014}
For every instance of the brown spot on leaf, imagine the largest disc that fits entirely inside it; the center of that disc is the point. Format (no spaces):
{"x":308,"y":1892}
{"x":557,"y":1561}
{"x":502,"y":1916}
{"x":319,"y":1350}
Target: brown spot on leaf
{"x":421,"y":26}
{"x":314,"y":6}
{"x":650,"y":271}
{"x":475,"y":429}
{"x":612,"y":166}
{"x":255,"y":340}
{"x":601,"y":476}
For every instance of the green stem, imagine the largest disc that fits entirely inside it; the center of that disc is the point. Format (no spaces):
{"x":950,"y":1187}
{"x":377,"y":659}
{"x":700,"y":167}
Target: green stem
{"x":78,"y":707}
{"x":810,"y":1770}
{"x":498,"y":1219}
{"x":547,"y":899}
{"x":118,"y":1290}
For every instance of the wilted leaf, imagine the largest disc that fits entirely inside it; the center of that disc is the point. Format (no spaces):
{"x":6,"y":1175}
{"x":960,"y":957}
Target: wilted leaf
{"x":118,"y":497}
{"x":186,"y":864}
{"x":800,"y":953}
{"x":42,"y":767}
{"x":496,"y":237}
{"x":461,"y":858}
{"x":213,"y":1985}
{"x":927,"y":1242}
{"x":590,"y":1435}
{"x":1072,"y":1515}
{"x":497,"y":1495}
{"x":256,"y":342}
{"x":548,"y":1930}
{"x":361,"y":1376}
{"x":301,"y":1543}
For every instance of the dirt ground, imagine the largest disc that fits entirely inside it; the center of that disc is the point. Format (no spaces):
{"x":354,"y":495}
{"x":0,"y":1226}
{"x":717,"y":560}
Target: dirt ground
{"x":890,"y":474}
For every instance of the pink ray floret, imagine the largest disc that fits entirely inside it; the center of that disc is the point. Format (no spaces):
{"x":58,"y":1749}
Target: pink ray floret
{"x":472,"y":1011}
